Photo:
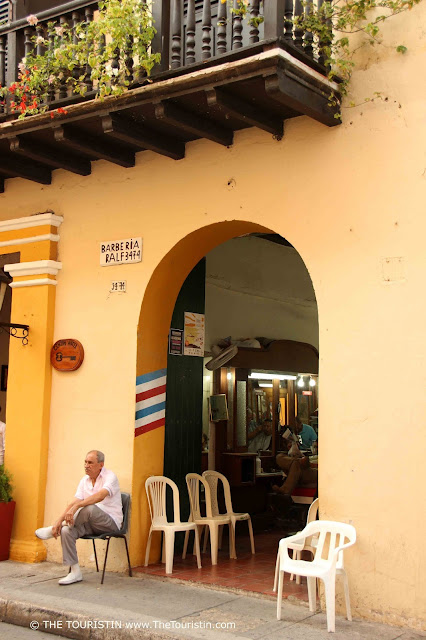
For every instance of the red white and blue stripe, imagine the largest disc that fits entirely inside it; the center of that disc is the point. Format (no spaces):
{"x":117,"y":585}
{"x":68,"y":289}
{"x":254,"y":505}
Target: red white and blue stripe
{"x":150,"y":401}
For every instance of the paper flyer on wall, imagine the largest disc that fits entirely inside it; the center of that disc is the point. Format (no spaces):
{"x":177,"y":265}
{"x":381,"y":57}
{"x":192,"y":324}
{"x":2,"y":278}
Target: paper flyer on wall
{"x":194,"y":326}
{"x":176,"y":342}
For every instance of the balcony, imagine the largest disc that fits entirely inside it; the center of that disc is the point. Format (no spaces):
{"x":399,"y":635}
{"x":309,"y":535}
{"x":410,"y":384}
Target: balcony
{"x":218,"y":73}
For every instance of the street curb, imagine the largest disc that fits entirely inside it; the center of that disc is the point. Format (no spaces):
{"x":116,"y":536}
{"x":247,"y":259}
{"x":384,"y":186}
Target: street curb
{"x":80,"y":626}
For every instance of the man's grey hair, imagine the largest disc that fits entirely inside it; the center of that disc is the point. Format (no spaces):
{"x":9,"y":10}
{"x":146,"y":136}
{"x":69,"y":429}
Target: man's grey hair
{"x":99,"y":455}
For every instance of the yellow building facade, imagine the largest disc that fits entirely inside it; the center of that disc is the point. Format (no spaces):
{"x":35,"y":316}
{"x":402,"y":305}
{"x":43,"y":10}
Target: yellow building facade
{"x":351,"y":200}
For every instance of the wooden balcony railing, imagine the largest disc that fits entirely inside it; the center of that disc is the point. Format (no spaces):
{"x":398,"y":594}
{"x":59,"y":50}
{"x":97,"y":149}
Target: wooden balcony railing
{"x":190,"y":34}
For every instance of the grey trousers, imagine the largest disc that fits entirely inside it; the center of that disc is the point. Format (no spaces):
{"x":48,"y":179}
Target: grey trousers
{"x":89,"y":520}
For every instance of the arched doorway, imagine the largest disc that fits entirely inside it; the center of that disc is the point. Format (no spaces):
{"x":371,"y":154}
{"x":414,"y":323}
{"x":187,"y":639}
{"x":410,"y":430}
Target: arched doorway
{"x":153,"y":330}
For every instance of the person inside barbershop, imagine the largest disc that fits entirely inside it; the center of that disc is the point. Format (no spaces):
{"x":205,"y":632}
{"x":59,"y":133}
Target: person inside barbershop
{"x":297,"y":470}
{"x":260,"y":437}
{"x":96,"y":509}
{"x":305,"y":433}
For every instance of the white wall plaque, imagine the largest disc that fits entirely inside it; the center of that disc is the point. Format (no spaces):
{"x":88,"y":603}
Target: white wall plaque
{"x":121,"y":251}
{"x":118,"y":285}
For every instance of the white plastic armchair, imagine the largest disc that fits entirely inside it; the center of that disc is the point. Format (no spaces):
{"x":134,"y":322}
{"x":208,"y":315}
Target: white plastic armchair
{"x":327,"y":562}
{"x":213,"y":478}
{"x":194,"y":482}
{"x":310,"y":544}
{"x":156,"y":491}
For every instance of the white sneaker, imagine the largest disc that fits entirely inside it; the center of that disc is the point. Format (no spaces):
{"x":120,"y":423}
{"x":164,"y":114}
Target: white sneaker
{"x":45,"y":533}
{"x":73,"y":576}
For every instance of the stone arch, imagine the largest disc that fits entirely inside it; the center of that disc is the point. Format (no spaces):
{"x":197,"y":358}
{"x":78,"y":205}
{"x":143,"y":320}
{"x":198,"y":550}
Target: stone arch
{"x":152,"y":340}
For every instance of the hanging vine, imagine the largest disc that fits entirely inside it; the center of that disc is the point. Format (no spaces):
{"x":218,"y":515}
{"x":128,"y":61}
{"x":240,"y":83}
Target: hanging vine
{"x":103,"y":54}
{"x":340,"y":28}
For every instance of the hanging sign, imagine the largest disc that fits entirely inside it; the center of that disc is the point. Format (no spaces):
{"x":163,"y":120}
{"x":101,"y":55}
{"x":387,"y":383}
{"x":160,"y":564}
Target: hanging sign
{"x":176,"y":342}
{"x":193,"y":334}
{"x":67,"y":355}
{"x":120,"y":251}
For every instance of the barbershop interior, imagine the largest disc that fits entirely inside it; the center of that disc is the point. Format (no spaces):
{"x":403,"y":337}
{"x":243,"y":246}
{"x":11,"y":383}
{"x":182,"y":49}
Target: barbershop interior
{"x":245,"y":405}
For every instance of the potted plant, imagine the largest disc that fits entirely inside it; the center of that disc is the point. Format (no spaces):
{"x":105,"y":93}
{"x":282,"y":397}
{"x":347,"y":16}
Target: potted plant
{"x":7,"y":510}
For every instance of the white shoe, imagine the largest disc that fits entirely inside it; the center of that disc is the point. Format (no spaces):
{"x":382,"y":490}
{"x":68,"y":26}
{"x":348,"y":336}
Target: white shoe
{"x":73,"y":576}
{"x":45,"y":533}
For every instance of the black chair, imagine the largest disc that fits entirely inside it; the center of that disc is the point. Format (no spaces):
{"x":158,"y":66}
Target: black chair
{"x":125,"y":500}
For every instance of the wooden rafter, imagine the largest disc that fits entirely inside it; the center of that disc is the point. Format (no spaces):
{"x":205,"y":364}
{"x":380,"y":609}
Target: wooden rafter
{"x":13,"y":168}
{"x":131,"y":133}
{"x":192,"y":123}
{"x":293,"y":91}
{"x":244,"y":111}
{"x":92,"y":146}
{"x":50,"y":156}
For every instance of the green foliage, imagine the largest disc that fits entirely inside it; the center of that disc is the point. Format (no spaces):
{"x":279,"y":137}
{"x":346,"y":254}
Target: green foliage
{"x":242,"y":9}
{"x":5,"y":485}
{"x":98,"y":51}
{"x":332,"y":25}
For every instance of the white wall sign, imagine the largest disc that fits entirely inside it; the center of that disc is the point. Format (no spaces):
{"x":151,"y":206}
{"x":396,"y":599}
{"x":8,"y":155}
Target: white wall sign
{"x":121,"y":251}
{"x":118,"y":285}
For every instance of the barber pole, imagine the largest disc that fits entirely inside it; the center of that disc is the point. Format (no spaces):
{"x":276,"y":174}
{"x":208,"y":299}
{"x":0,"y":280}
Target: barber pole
{"x":150,"y":401}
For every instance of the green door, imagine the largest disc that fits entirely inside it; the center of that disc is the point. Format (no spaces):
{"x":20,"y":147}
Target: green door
{"x":184,"y":394}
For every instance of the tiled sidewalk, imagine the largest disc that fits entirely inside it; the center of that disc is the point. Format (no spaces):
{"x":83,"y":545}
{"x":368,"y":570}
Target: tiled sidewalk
{"x":254,"y":573}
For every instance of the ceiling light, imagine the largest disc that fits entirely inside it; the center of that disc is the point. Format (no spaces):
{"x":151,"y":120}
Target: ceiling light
{"x":301,"y":382}
{"x":266,"y":384}
{"x":312,"y":382}
{"x":229,"y":376}
{"x":271,"y":376}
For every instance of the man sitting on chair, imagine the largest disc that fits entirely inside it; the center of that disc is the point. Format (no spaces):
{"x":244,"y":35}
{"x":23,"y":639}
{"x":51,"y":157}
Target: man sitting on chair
{"x":96,"y":509}
{"x":297,"y":470}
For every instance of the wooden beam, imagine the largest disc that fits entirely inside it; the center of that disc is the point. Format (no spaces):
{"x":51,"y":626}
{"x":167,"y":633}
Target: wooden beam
{"x":93,"y":147}
{"x":295,"y":92}
{"x":49,"y":156}
{"x":193,"y":124}
{"x":1,"y":185}
{"x":12,"y":168}
{"x":244,"y":111}
{"x":140,"y":136}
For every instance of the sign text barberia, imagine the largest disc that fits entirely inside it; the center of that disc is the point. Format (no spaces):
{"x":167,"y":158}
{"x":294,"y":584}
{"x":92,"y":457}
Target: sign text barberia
{"x":121,"y":251}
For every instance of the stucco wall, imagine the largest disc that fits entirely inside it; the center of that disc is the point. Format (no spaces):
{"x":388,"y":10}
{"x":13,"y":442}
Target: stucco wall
{"x":347,"y":198}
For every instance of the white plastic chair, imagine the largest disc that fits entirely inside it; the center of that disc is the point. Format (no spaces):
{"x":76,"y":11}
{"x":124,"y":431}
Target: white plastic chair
{"x":156,"y":491}
{"x":309,"y":545}
{"x":213,"y":478}
{"x":194,"y":482}
{"x":327,"y":562}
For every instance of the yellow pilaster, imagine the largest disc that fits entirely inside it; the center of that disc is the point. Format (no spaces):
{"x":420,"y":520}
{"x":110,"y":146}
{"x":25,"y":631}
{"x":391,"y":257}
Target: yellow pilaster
{"x":29,"y":378}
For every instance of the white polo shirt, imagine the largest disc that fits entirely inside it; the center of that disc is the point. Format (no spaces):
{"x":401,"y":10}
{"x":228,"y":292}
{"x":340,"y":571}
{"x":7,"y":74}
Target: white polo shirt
{"x":112,"y":503}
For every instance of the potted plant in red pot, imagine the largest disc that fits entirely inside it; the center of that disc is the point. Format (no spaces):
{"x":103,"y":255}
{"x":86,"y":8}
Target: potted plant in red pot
{"x":7,"y":510}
